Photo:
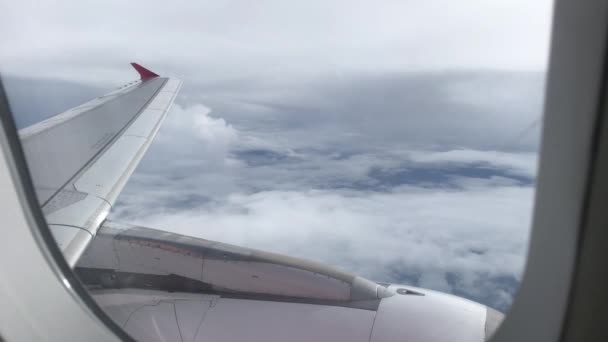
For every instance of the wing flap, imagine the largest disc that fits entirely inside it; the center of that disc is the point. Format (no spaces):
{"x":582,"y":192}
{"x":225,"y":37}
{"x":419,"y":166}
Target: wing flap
{"x":86,"y":214}
{"x":139,"y":252}
{"x":72,"y":241}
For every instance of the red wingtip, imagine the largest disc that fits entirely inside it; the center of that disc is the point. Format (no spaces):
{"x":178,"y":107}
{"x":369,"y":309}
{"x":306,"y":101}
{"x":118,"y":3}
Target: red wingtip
{"x":144,"y":73}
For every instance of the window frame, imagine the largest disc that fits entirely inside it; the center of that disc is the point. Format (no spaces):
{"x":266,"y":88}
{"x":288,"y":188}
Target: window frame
{"x":573,"y":109}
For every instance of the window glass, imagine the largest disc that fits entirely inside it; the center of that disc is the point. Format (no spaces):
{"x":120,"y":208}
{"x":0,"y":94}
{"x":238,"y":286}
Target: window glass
{"x":394,"y":140}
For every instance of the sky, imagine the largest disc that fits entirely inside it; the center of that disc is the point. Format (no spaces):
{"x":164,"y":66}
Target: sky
{"x":395,"y":139}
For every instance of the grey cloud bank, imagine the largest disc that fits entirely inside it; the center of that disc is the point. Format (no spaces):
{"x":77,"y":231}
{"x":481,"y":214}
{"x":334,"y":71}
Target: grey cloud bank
{"x":223,"y":40}
{"x":466,"y":109}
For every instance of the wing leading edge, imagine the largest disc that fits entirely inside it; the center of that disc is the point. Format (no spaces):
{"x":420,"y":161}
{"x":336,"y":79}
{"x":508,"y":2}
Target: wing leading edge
{"x":81,"y":159}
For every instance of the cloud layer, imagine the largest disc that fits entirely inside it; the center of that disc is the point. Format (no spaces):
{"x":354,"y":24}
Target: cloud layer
{"x":454,"y":220}
{"x":224,"y":40}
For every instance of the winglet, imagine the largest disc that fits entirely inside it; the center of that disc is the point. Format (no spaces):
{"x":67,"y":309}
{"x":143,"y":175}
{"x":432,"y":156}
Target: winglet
{"x":144,"y":73}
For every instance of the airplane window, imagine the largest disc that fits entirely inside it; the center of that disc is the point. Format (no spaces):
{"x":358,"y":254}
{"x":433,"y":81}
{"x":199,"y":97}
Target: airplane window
{"x":309,"y":169}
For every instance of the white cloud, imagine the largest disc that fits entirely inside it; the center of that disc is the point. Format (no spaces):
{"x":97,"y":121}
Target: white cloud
{"x":466,"y":239}
{"x":474,"y":233}
{"x":448,"y":110}
{"x":404,"y":224}
{"x":223,"y":40}
{"x":213,"y":135}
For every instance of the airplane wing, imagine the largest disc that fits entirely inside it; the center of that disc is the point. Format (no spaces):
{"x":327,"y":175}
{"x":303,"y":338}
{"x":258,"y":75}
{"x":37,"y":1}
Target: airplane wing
{"x":161,"y":286}
{"x":80,"y":159}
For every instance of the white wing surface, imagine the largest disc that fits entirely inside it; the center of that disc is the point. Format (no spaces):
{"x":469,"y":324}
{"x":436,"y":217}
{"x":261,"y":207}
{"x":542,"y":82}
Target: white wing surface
{"x":81,"y":159}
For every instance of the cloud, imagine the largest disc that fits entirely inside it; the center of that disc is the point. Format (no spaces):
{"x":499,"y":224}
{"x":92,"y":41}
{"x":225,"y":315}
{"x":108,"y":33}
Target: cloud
{"x":523,"y":164}
{"x":463,"y":231}
{"x":414,"y":235}
{"x":476,"y":110}
{"x":213,"y":136}
{"x":224,"y":40}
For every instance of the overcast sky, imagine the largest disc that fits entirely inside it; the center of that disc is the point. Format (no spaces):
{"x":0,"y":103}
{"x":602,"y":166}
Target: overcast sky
{"x":397,"y":139}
